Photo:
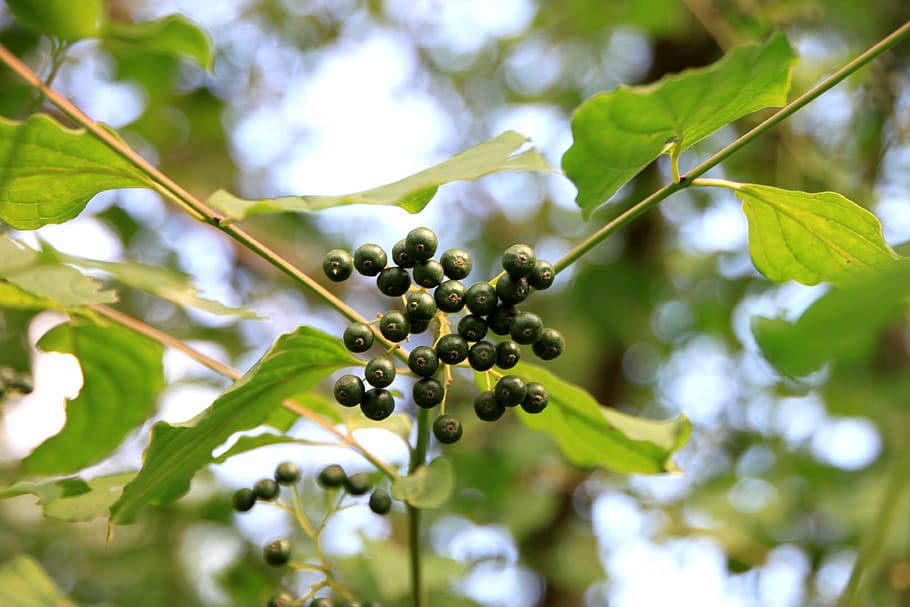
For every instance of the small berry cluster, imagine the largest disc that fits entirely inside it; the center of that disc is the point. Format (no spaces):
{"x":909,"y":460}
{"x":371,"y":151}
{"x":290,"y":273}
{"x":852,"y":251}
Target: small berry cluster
{"x":492,"y":309}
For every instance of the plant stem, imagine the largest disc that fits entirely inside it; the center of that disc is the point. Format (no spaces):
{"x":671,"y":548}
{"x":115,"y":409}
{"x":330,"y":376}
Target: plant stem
{"x":885,"y":519}
{"x":779,"y":116}
{"x":418,"y":458}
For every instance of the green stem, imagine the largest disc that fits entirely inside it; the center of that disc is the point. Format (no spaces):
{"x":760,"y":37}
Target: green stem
{"x":885,"y":520}
{"x":685,"y":180}
{"x":418,"y":458}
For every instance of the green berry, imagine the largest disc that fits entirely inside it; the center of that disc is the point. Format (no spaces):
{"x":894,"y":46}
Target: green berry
{"x":447,"y":429}
{"x":421,"y":244}
{"x":512,"y":290}
{"x":331,"y":476}
{"x":549,"y":345}
{"x":420,"y":305}
{"x":526,"y":328}
{"x":282,"y":599}
{"x":266,"y":489}
{"x":358,"y":483}
{"x":380,"y":502}
{"x":393,"y":281}
{"x":518,"y":260}
{"x":452,"y":348}
{"x":377,"y":404}
{"x":456,"y":263}
{"x":487,"y":407}
{"x":338,"y":265}
{"x":401,"y":256}
{"x":321,"y":602}
{"x":472,"y":327}
{"x":428,"y":392}
{"x":287,"y":473}
{"x":450,"y":296}
{"x":380,"y":372}
{"x":349,"y":390}
{"x":536,"y":398}
{"x":500,"y":319}
{"x":277,"y":552}
{"x":481,"y":298}
{"x":542,"y":276}
{"x":358,"y":337}
{"x":507,"y":354}
{"x":510,"y":390}
{"x":370,"y":259}
{"x":428,"y":273}
{"x":423,"y":361}
{"x":394,"y":326}
{"x":244,"y":499}
{"x":482,"y":356}
{"x":419,"y":325}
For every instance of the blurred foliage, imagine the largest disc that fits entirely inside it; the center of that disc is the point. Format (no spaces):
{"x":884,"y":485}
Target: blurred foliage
{"x":657,"y":317}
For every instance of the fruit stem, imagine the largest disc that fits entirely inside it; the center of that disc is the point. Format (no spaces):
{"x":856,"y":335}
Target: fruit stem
{"x":582,"y":248}
{"x":418,"y":458}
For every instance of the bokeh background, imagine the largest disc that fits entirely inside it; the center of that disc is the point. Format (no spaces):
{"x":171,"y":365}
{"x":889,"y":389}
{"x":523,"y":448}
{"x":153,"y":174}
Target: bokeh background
{"x":781,"y":478}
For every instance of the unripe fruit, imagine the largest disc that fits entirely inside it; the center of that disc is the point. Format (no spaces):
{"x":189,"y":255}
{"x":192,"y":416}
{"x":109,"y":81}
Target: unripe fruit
{"x":423,"y":361}
{"x":549,"y":344}
{"x":507,"y":354}
{"x":331,"y":477}
{"x":380,"y":372}
{"x":428,"y":273}
{"x":421,"y":244}
{"x":542,"y":276}
{"x":500,"y":320}
{"x":472,"y":327}
{"x":401,"y":256}
{"x":482,"y":356}
{"x":511,"y":290}
{"x":452,"y":349}
{"x":370,"y":259}
{"x":277,"y":552}
{"x":487,"y":407}
{"x":244,"y":499}
{"x":287,"y":473}
{"x":450,"y":296}
{"x":394,"y":326}
{"x":338,"y":265}
{"x":518,"y":260}
{"x":447,"y":429}
{"x":481,"y":298}
{"x":419,"y":325}
{"x":358,"y":483}
{"x":377,"y":404}
{"x":358,"y":337}
{"x":428,"y":392}
{"x":393,"y":281}
{"x":349,"y":390}
{"x":380,"y":502}
{"x":526,"y":328}
{"x":420,"y":305}
{"x":456,"y":263}
{"x":510,"y":390}
{"x":536,"y":398}
{"x":266,"y":489}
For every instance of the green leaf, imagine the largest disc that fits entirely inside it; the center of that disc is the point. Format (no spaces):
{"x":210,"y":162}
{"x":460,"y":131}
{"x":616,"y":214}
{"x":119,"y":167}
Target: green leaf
{"x":48,"y":173}
{"x":617,"y":134}
{"x":592,"y":435}
{"x":50,"y":282}
{"x":411,"y":193}
{"x":811,"y":238}
{"x":64,"y":19}
{"x":294,"y":364}
{"x":122,"y":376}
{"x":175,"y":36}
{"x":398,"y":424}
{"x":428,"y":486}
{"x":47,"y":491}
{"x":843,"y":325}
{"x":23,"y":583}
{"x":250,"y":443}
{"x":12,"y":296}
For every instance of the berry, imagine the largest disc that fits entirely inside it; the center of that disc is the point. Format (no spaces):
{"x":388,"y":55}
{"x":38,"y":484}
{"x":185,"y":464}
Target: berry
{"x":266,"y":489}
{"x":500,"y":319}
{"x":487,"y":407}
{"x":450,"y":296}
{"x":447,"y":429}
{"x":507,"y":354}
{"x":321,"y":602}
{"x":536,"y":398}
{"x":549,"y":345}
{"x":542,"y":275}
{"x":380,"y":372}
{"x":244,"y":499}
{"x":287,"y":473}
{"x":428,"y":273}
{"x":526,"y":327}
{"x":277,"y":552}
{"x":510,"y":390}
{"x":420,"y":305}
{"x":401,"y":256}
{"x":358,"y":337}
{"x":456,"y":263}
{"x":423,"y":361}
{"x":331,"y":476}
{"x":481,"y":298}
{"x":380,"y":502}
{"x":377,"y":404}
{"x":482,"y":356}
{"x":282,"y":599}
{"x":421,"y":244}
{"x":394,"y":325}
{"x":419,"y":325}
{"x":472,"y":327}
{"x":512,"y":290}
{"x":393,"y":281}
{"x":349,"y":390}
{"x":518,"y":260}
{"x":338,"y":265}
{"x":452,"y":348}
{"x":358,"y":483}
{"x":370,"y":259}
{"x":428,"y":392}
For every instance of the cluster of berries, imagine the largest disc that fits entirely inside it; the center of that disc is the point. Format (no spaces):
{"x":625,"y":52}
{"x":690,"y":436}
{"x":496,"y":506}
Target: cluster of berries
{"x":11,"y":381}
{"x":492,"y":309}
